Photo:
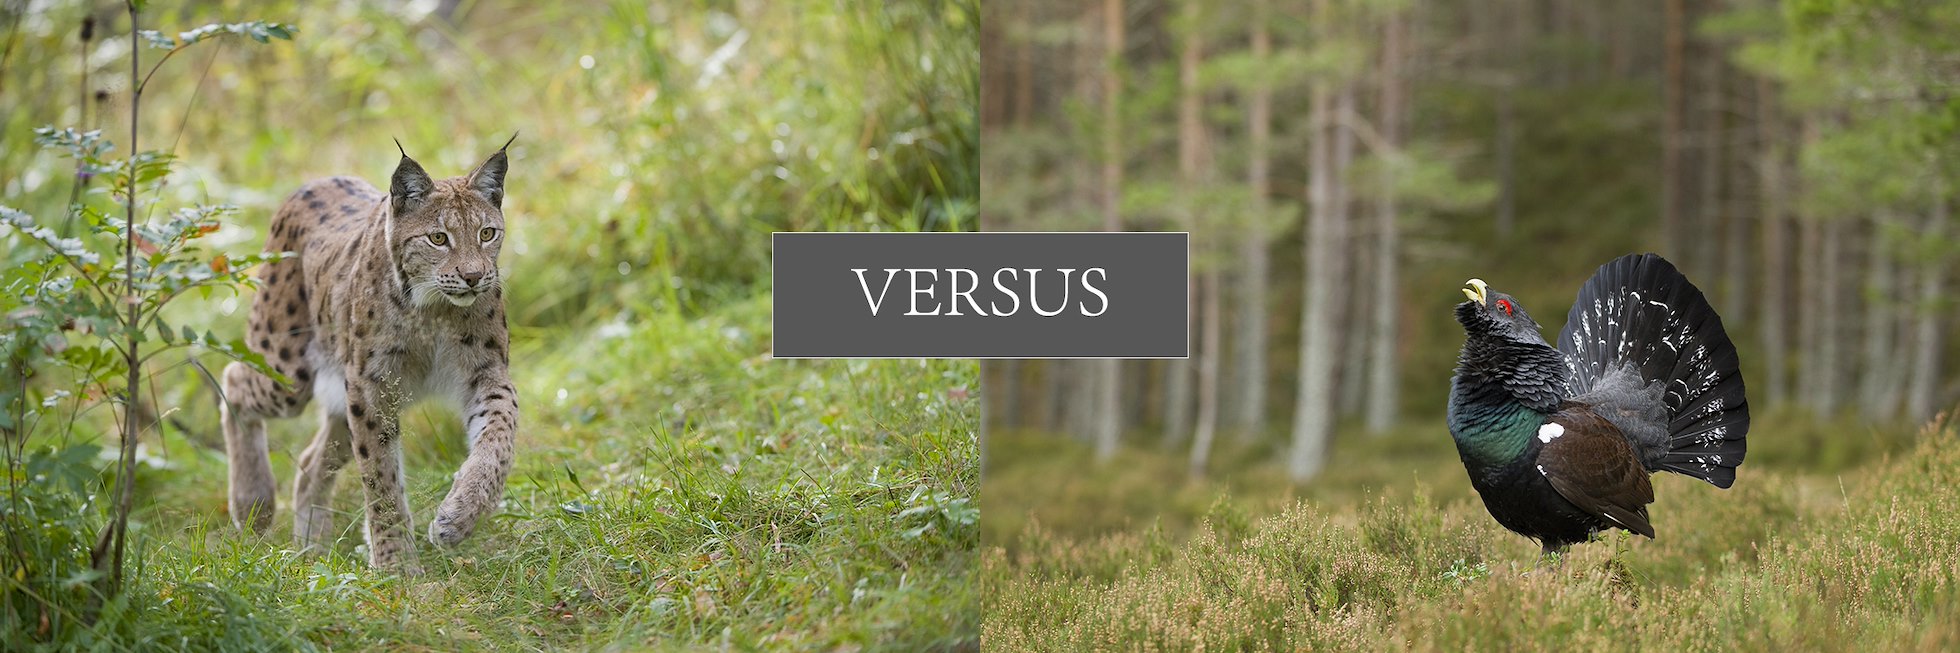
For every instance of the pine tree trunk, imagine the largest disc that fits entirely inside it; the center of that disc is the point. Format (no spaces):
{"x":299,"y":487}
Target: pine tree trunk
{"x":1358,"y":308}
{"x":1141,"y":379}
{"x":1054,"y":395}
{"x":1831,"y":328}
{"x":1772,"y":317}
{"x":1810,"y":311}
{"x":1345,"y":331}
{"x":1190,"y":164}
{"x":1252,"y":335}
{"x":1209,"y":355}
{"x":1922,"y":391}
{"x":1675,"y":93}
{"x":1383,"y":399}
{"x":1174,"y":413}
{"x":1735,"y":228}
{"x":1109,"y":385}
{"x":1904,"y":332}
{"x":1702,"y":236}
{"x":1312,"y":417}
{"x":1878,"y":330}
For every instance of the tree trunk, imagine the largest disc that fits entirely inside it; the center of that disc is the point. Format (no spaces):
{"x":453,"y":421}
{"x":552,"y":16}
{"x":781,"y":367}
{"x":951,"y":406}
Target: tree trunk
{"x":1174,"y":413}
{"x":1251,"y":341}
{"x":1209,"y":355}
{"x":1345,"y":331}
{"x":1735,"y":230}
{"x":1312,"y":417}
{"x":1878,"y":331}
{"x":1109,"y":397}
{"x":1358,"y":309}
{"x":1383,"y":401}
{"x":1772,"y":316}
{"x":1141,"y":379}
{"x":1675,"y":92}
{"x":1702,"y":237}
{"x":1054,"y":381}
{"x":1190,"y":164}
{"x":1810,"y":311}
{"x":1830,"y":333}
{"x":1922,"y":391}
{"x":1084,"y":396}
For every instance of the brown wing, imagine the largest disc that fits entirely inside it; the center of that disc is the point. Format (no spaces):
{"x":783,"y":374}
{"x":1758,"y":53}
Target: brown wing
{"x":1590,"y":464}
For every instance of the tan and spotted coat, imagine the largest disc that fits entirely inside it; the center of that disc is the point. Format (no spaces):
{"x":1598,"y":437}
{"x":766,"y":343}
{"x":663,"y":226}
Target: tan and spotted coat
{"x":390,"y":298}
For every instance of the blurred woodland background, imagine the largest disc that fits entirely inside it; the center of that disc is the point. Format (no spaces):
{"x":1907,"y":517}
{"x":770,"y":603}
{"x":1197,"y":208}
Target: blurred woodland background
{"x":1344,"y":165}
{"x":675,"y":486}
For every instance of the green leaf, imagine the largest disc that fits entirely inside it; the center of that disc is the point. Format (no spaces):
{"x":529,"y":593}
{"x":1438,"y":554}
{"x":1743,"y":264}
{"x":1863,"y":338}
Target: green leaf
{"x":72,"y":248}
{"x":88,"y":147}
{"x":157,"y":40}
{"x":257,"y":30}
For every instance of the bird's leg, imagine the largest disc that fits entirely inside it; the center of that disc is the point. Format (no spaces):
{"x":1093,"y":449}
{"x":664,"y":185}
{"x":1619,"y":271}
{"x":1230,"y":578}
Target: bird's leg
{"x":1552,"y":557}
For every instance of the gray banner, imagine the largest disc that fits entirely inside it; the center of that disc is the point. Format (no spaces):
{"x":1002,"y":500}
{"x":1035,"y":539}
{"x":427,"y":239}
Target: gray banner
{"x":982,"y":295}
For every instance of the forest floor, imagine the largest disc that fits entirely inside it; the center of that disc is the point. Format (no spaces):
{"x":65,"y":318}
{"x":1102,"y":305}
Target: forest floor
{"x":675,"y":488}
{"x":1836,"y":537}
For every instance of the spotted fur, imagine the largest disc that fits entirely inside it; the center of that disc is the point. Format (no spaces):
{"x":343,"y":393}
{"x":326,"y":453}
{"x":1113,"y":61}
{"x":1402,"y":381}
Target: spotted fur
{"x":391,"y":297}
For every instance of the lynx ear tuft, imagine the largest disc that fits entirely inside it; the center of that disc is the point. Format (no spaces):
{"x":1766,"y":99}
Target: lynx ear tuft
{"x":410,"y":186}
{"x":488,"y":179}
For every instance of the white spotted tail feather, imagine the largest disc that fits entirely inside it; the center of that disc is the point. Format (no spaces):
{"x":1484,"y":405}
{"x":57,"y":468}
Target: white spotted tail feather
{"x":1643,"y":346}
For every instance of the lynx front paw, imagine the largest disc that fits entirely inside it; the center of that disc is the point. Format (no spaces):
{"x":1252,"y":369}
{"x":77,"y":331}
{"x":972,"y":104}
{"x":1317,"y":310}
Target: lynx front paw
{"x":451,"y":526}
{"x":251,"y":508}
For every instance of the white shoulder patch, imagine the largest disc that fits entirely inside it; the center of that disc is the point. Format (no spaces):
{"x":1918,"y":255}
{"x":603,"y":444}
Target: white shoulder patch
{"x":1549,"y":431}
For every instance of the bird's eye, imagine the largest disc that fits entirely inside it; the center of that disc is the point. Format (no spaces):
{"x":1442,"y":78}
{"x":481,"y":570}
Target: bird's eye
{"x":439,"y":239}
{"x":487,"y":233}
{"x":1506,"y":304}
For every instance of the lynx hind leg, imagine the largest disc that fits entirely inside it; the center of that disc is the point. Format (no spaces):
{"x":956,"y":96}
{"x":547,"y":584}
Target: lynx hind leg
{"x":250,"y":398}
{"x":313,"y":484}
{"x":279,"y":330}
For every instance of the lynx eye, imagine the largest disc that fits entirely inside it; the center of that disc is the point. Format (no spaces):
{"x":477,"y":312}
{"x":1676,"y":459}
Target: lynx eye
{"x":487,"y":233}
{"x":439,"y":239}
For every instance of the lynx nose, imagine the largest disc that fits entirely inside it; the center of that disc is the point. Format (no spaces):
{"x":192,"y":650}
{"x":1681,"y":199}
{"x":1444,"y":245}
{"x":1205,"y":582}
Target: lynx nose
{"x":470,"y":278}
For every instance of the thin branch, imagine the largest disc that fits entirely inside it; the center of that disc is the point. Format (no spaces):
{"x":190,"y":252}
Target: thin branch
{"x":190,"y":109}
{"x":152,"y":73}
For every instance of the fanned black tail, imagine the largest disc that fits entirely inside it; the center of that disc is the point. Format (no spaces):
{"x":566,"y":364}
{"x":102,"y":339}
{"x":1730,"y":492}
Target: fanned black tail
{"x":1639,"y":314}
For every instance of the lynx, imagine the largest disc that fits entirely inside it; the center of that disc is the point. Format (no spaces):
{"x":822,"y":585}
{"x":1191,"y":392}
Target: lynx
{"x":390,"y":298}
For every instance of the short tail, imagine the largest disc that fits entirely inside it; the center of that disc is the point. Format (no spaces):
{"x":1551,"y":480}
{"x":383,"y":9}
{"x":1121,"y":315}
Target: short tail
{"x":1639,"y":313}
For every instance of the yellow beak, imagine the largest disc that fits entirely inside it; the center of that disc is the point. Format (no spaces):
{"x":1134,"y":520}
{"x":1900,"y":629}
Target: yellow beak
{"x":1477,"y":291}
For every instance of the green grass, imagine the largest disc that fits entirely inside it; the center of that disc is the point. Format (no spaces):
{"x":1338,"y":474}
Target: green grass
{"x":1392,"y":552}
{"x":684,"y":491}
{"x":675,"y":487}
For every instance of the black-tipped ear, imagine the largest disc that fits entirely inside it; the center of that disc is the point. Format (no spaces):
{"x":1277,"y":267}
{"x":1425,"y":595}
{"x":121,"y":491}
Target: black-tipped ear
{"x":488,"y":179}
{"x":410,"y":186}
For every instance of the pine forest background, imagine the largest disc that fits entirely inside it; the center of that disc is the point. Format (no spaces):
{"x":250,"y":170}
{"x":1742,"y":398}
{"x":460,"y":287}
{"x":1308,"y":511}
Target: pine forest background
{"x":1344,"y":166}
